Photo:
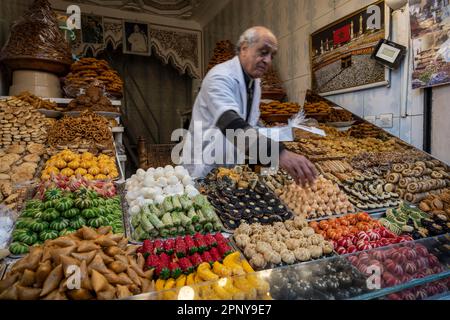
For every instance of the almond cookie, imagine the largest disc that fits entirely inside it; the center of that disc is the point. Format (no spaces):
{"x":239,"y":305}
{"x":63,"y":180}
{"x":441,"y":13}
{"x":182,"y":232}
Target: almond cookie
{"x":36,"y":148}
{"x":32,"y":158}
{"x":9,"y":159}
{"x":21,"y":177}
{"x":4,"y":167}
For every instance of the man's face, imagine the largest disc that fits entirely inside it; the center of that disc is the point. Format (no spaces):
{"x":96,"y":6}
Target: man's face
{"x":257,"y":59}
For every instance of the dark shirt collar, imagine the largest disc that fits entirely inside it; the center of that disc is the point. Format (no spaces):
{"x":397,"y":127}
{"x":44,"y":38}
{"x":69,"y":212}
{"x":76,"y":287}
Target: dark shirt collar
{"x":248,"y":80}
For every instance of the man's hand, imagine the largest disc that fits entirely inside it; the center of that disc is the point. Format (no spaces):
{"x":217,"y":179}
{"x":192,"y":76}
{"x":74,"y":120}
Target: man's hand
{"x":300,"y":168}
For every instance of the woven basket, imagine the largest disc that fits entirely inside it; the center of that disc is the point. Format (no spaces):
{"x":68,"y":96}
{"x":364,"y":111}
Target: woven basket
{"x":159,"y":155}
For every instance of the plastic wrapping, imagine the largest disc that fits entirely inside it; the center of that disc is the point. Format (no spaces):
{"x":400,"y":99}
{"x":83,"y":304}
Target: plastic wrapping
{"x":7,"y":220}
{"x":37,"y":35}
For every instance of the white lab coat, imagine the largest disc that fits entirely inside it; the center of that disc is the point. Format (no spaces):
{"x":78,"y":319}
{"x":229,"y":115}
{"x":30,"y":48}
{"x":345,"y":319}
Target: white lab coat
{"x":222,"y":89}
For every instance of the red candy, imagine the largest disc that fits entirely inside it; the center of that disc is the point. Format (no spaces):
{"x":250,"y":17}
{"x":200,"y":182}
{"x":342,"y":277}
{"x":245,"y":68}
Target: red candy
{"x":398,"y":270}
{"x":421,"y":250}
{"x":341,"y":250}
{"x":433,"y":260}
{"x":421,"y":294}
{"x":379,"y":255}
{"x":422,"y":263}
{"x":374,"y":235}
{"x":398,"y":257}
{"x":363,"y":236}
{"x":410,"y":267}
{"x":352,"y":249}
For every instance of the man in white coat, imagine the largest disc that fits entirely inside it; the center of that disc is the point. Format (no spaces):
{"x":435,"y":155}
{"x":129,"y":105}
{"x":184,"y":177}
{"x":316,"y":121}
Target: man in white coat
{"x":229,"y":99}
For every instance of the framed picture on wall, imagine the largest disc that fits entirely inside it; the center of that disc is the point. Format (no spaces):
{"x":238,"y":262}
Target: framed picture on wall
{"x":430,"y":35}
{"x":92,"y":29}
{"x":136,"y":38}
{"x":340,"y":52}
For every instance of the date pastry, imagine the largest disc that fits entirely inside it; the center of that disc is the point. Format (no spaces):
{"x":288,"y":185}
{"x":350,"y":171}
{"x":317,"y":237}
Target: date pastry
{"x":278,"y":246}
{"x":258,"y":261}
{"x":315,"y":251}
{"x":262,"y":247}
{"x":287,"y":257}
{"x":242,"y":240}
{"x":292,"y":244}
{"x":327,"y":247}
{"x":272,"y":257}
{"x":302,"y":254}
{"x":316,"y":239}
{"x":308,"y":231}
{"x":296,"y":234}
{"x":250,"y":250}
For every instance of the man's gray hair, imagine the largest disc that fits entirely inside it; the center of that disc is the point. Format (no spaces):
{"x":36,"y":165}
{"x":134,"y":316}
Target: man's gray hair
{"x":250,"y":36}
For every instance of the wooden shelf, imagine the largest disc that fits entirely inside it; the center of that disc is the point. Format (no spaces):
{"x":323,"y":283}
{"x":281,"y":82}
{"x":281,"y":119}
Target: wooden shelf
{"x":67,"y":100}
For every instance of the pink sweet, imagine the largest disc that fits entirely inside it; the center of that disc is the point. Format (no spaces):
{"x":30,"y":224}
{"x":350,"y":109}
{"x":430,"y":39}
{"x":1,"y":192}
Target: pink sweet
{"x":352,"y":249}
{"x":363,"y":236}
{"x":410,"y":267}
{"x":398,"y":257}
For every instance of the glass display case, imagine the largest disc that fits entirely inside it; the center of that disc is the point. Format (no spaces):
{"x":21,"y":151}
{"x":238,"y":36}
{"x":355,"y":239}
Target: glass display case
{"x":407,"y":271}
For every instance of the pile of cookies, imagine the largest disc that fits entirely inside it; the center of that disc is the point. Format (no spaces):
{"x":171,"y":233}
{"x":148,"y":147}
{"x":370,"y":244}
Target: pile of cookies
{"x":34,"y":101}
{"x":289,"y":242}
{"x":223,"y":51}
{"x":87,"y":71}
{"x":93,"y":100}
{"x":316,"y":107}
{"x":37,"y":35}
{"x":21,"y":124}
{"x":364,"y":130}
{"x":271,"y":82}
{"x":88,"y":132}
{"x":416,"y":181}
{"x":340,"y":115}
{"x":277,"y":107}
{"x":18,"y":165}
{"x":322,"y":198}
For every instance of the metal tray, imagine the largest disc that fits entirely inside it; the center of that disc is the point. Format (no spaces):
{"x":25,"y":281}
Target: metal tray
{"x":106,"y":114}
{"x":51,"y":113}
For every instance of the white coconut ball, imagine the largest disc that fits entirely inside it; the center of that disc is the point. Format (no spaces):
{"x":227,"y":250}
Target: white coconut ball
{"x":172,"y":180}
{"x":162,"y":182}
{"x":159,"y":199}
{"x":135,"y":210}
{"x":158,"y":173}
